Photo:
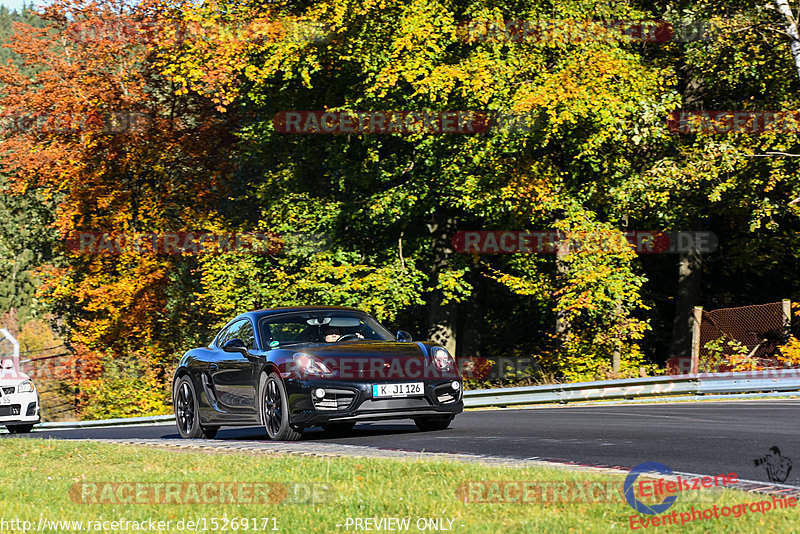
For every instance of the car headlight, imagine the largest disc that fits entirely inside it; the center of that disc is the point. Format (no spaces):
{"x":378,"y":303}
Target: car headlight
{"x":25,"y":387}
{"x":308,"y":364}
{"x":442,"y":360}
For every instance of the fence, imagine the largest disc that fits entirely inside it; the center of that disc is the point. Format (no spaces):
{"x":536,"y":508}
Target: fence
{"x":759,"y":328}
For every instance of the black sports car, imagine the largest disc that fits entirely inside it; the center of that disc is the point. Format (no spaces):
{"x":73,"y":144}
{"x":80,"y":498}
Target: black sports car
{"x":294,"y":368}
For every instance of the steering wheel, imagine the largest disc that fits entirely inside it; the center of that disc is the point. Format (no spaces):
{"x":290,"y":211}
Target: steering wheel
{"x":346,"y":337}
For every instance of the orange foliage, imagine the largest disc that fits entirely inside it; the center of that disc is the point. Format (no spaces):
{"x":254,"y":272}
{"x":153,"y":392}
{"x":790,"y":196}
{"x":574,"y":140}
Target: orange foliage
{"x":102,"y":132}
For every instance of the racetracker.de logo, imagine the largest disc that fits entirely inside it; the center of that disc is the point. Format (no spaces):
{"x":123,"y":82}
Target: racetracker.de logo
{"x":730,"y":122}
{"x":381,"y":122}
{"x":174,"y":243}
{"x":372,"y":368}
{"x":534,"y":491}
{"x":552,"y":241}
{"x":43,"y":123}
{"x":183,"y":493}
{"x":196,"y":243}
{"x":285,"y":29}
{"x":407,"y":122}
{"x":581,"y":31}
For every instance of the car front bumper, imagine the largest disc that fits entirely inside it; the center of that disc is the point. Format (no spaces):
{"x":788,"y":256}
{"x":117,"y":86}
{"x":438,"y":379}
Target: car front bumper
{"x":353,"y":402}
{"x":19,"y":408}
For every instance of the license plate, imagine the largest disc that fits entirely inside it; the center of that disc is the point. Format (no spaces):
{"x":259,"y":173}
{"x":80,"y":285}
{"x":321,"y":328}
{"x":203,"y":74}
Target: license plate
{"x":412,"y":389}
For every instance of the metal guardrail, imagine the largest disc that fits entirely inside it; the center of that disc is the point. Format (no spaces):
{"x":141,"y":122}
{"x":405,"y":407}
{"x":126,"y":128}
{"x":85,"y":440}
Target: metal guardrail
{"x":67,"y":425}
{"x":632,"y":388}
{"x":769,"y":382}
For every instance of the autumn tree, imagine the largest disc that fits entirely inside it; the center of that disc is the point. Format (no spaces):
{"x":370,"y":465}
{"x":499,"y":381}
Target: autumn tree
{"x":97,"y":129}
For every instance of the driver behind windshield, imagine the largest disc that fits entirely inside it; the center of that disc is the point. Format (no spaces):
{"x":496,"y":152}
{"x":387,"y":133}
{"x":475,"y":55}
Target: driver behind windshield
{"x":330,"y":334}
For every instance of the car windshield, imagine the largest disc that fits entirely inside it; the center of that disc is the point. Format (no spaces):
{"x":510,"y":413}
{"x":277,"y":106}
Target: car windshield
{"x":321,"y":326}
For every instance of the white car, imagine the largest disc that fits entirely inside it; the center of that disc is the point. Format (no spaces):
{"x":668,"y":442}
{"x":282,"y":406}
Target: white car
{"x":19,"y":401}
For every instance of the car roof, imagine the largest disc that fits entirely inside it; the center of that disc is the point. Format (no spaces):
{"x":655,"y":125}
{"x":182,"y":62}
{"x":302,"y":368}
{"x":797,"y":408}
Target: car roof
{"x":258,"y":314}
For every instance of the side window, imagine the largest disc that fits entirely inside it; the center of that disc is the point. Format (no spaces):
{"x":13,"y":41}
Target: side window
{"x":246,"y":334}
{"x":229,"y":333}
{"x":220,"y":339}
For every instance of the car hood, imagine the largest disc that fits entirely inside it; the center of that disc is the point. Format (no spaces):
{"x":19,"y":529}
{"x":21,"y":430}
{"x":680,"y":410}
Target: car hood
{"x":361,"y":349}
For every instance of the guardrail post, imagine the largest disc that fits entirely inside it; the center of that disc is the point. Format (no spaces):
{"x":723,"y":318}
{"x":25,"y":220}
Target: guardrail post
{"x":698,"y":318}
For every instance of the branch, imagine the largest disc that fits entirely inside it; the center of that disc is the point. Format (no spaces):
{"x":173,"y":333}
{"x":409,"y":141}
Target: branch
{"x":400,"y":246}
{"x":772,"y":153}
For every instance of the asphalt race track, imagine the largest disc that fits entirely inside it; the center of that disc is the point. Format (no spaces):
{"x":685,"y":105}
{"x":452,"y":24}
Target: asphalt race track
{"x":706,"y":437}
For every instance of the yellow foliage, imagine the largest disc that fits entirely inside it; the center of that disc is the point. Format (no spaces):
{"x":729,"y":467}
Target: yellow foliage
{"x":789,"y":353}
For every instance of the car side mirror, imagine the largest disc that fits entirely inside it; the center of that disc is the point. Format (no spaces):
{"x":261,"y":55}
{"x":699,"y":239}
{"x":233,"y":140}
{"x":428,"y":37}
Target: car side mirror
{"x":235,"y":345}
{"x":403,"y":336}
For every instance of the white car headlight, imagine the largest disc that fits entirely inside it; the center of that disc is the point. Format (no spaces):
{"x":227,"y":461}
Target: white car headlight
{"x":442,"y":359}
{"x":308,"y":364}
{"x":25,"y":387}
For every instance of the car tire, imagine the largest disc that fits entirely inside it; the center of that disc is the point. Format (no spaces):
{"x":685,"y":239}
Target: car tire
{"x":338,"y":428}
{"x":19,"y":429}
{"x":427,"y":424}
{"x":273,"y":407}
{"x":187,"y":411}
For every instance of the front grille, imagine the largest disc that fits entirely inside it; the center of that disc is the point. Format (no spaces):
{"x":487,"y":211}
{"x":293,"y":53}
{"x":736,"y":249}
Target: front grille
{"x":9,"y":409}
{"x":399,"y":403}
{"x":31,"y":409}
{"x":334,"y":400}
{"x":9,"y":391}
{"x":445,"y":394}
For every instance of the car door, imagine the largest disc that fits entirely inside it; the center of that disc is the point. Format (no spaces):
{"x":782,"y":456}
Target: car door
{"x":232,"y":372}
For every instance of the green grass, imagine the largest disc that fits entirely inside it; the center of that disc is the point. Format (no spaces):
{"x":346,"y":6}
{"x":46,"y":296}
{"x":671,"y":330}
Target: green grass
{"x":38,"y":474}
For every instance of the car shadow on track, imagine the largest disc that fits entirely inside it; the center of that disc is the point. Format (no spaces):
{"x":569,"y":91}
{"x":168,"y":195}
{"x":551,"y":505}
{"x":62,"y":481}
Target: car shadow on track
{"x":360,"y":431}
{"x":313,"y":434}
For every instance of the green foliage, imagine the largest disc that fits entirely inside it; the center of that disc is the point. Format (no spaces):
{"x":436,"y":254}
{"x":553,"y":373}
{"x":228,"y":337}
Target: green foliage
{"x":598,"y":299}
{"x":8,"y":17}
{"x":124,"y":391}
{"x":579,"y":361}
{"x":729,"y":354}
{"x":26,"y":242}
{"x":323,"y":279}
{"x":409,"y":56}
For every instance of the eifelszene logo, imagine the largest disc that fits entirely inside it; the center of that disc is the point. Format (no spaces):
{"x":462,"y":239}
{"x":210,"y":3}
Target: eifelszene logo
{"x":630,"y":496}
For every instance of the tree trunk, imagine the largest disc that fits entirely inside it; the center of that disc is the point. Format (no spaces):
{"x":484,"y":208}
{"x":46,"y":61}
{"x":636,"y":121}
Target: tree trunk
{"x":791,"y":30}
{"x":442,"y":318}
{"x":471,"y":315}
{"x":690,"y":269}
{"x":562,"y":271}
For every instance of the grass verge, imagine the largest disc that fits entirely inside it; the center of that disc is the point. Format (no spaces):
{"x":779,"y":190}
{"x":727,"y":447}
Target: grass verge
{"x":317,"y":494}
